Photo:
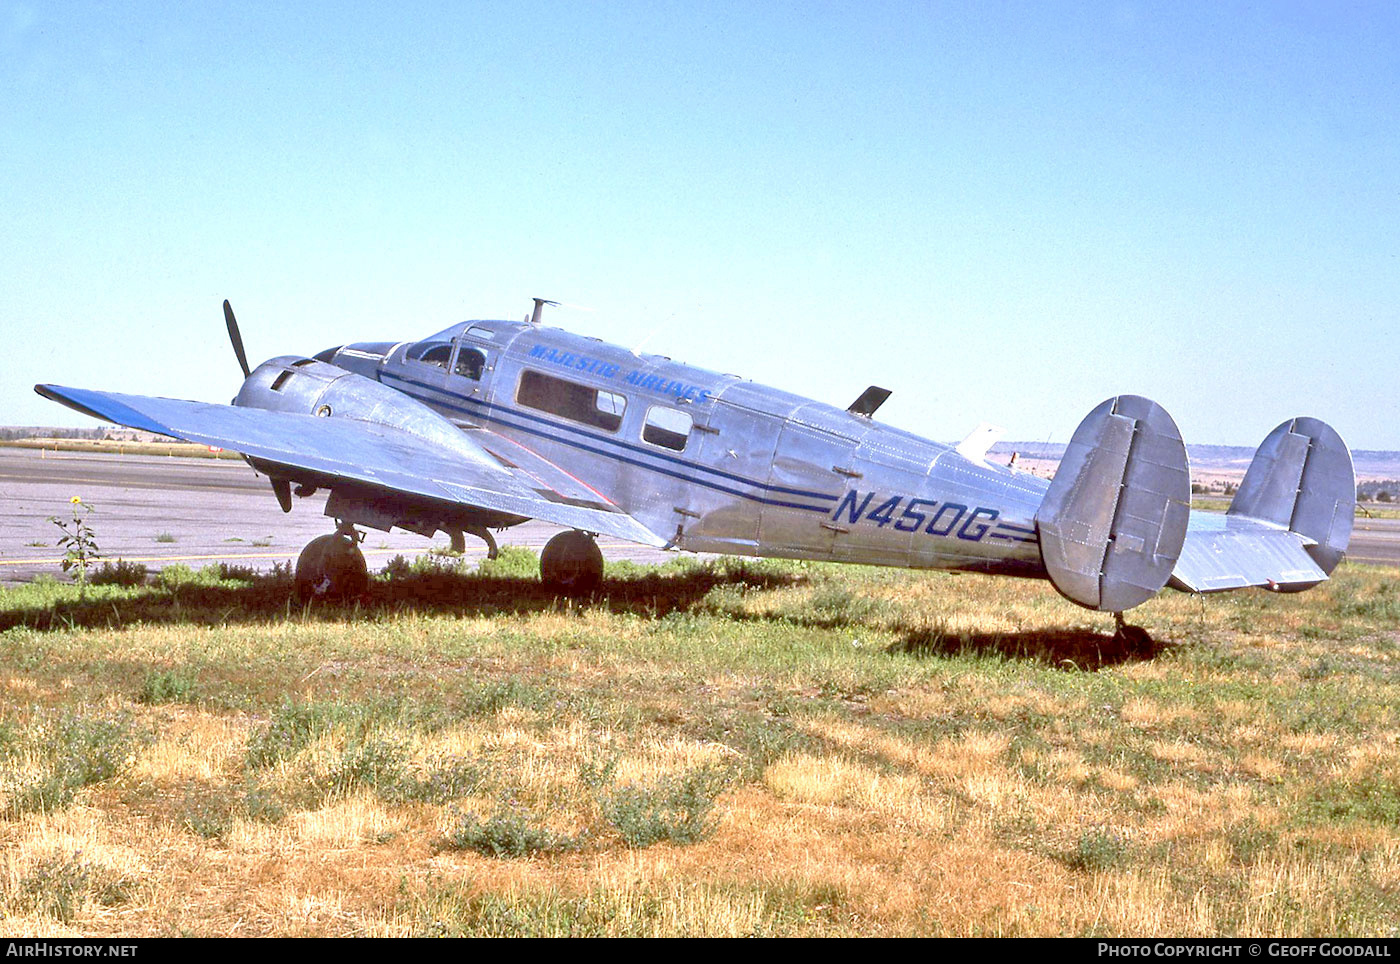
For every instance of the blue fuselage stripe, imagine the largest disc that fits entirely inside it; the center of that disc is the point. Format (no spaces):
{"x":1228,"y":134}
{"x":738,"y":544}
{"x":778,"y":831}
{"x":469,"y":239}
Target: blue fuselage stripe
{"x":454,"y":404}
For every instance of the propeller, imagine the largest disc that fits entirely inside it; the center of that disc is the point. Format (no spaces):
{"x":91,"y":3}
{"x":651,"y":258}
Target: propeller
{"x":236,"y":338}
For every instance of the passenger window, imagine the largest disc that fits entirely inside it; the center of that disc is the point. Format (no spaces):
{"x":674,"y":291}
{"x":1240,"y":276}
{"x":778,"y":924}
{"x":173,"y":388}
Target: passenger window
{"x":578,"y":403}
{"x":470,"y":363}
{"x":667,"y":427}
{"x":431,"y":353}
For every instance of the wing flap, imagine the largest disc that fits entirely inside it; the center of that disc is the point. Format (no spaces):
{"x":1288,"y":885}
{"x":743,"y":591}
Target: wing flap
{"x":357,"y":451}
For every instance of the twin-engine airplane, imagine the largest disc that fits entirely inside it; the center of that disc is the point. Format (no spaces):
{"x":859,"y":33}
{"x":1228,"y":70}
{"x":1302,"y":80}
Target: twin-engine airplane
{"x":489,"y":423}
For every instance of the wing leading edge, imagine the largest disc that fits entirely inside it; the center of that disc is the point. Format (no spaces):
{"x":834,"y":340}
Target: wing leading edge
{"x":362,"y":452}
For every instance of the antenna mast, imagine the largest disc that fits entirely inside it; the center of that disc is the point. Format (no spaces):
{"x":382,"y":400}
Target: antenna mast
{"x":539,"y":307}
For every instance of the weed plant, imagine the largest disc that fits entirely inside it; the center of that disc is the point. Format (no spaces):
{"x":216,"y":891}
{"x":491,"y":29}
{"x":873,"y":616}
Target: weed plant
{"x":55,"y":754}
{"x":510,"y":832}
{"x":119,"y":573}
{"x":677,"y":810}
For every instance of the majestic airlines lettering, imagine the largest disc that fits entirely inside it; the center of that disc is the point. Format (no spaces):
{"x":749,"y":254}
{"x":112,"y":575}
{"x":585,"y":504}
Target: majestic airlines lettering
{"x":579,"y":363}
{"x":603,"y":369}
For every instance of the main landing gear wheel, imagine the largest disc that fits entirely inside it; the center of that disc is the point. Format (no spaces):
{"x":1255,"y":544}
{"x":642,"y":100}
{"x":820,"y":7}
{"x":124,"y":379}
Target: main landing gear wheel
{"x":572,"y":563}
{"x":332,"y":568}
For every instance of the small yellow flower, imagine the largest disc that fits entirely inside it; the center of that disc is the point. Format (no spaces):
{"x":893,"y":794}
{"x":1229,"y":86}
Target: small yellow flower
{"x":76,"y":499}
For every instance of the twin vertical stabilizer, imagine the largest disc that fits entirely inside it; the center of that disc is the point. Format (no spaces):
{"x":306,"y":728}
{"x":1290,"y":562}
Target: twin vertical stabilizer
{"x":1115,"y":525}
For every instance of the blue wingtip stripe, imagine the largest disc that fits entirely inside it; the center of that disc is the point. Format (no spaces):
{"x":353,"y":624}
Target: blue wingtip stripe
{"x":103,"y":407}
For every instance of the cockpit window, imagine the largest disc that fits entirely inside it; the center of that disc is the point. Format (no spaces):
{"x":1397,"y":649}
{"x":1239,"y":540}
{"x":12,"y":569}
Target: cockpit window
{"x":431,"y":353}
{"x":470,"y":363}
{"x":578,"y":403}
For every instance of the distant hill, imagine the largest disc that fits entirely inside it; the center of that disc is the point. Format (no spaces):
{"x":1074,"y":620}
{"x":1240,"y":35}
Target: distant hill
{"x":1371,"y":464}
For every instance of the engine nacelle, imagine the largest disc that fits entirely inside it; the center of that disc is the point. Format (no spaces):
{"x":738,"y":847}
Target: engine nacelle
{"x":306,"y":386}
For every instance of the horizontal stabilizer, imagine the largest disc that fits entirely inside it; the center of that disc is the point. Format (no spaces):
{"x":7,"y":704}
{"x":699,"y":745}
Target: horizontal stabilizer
{"x":1288,"y":525}
{"x":1224,"y":553}
{"x":358,"y":452}
{"x":1113,"y":520}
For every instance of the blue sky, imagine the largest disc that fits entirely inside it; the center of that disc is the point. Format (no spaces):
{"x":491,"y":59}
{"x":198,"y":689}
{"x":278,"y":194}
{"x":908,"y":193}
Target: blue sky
{"x":1003,"y":212}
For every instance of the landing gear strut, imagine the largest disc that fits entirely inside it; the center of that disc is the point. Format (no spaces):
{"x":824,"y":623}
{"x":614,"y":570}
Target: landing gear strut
{"x":459,"y":540}
{"x":572,"y":564}
{"x":1134,"y":639}
{"x":332,"y":568}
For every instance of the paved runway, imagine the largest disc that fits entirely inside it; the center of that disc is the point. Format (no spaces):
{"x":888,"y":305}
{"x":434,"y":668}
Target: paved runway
{"x":158,"y":510}
{"x":1375,"y":541}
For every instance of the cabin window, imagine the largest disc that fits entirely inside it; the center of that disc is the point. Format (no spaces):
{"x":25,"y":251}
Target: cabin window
{"x":431,"y":353}
{"x":667,"y":427}
{"x":470,"y":363}
{"x":578,"y":403}
{"x":476,"y":331}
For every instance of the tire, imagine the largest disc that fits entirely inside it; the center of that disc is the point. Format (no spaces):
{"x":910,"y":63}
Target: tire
{"x":572,"y":563}
{"x":331,"y":569}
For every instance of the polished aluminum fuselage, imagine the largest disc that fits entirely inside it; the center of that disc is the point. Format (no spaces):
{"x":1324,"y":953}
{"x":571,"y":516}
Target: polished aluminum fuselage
{"x":759,"y":471}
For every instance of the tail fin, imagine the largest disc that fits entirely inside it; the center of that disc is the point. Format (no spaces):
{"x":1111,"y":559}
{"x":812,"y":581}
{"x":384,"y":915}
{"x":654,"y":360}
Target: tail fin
{"x":1114,"y":519}
{"x":1302,"y":479}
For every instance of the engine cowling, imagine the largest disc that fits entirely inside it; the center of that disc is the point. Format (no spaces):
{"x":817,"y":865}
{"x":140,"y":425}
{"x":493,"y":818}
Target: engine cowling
{"x":307,"y":386}
{"x":291,"y":383}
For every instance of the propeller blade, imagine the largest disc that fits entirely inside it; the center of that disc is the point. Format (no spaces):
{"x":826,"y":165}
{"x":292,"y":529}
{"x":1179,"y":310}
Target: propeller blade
{"x":236,"y":338}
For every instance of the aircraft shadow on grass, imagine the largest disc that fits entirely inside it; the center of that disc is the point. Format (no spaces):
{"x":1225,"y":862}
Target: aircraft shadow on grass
{"x":651,"y":596}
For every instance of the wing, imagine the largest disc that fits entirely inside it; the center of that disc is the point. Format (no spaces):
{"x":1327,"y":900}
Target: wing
{"x":378,"y":455}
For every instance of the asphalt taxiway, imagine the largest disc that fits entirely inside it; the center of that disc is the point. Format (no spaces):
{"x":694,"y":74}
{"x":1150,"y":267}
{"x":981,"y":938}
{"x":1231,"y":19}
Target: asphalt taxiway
{"x":159,"y":510}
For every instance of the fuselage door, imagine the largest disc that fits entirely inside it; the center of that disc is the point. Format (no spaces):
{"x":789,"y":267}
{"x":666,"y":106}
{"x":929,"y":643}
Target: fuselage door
{"x":812,"y":470}
{"x":732,"y":447}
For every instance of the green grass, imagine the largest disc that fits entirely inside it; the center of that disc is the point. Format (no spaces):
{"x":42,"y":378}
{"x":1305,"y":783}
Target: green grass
{"x":1370,"y":510}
